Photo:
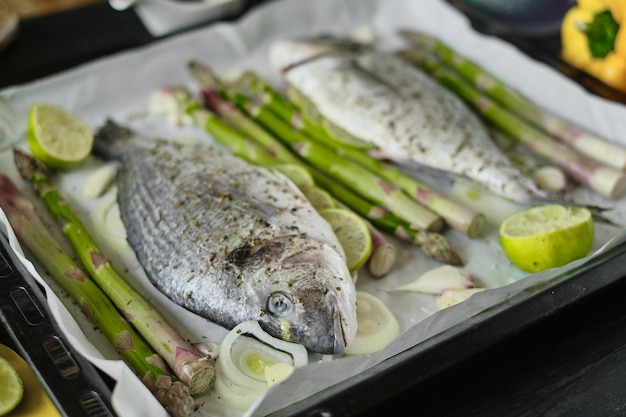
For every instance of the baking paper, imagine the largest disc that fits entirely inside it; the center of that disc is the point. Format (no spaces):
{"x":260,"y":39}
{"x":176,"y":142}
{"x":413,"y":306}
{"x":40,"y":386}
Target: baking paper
{"x":120,"y":86}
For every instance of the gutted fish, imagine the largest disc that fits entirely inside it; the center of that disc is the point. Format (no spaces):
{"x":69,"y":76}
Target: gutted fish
{"x":232,"y":241}
{"x":378,"y":98}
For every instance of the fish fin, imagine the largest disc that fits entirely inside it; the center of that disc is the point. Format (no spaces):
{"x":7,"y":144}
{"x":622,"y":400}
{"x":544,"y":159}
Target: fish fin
{"x":109,"y":140}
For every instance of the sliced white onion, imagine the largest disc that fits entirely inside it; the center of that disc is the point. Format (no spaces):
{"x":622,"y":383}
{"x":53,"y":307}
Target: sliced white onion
{"x":377,"y":326}
{"x":438,"y":279}
{"x":99,"y":181}
{"x":236,"y":396}
{"x":108,"y":225}
{"x":250,"y":359}
{"x":451,"y":297}
{"x":278,"y":372}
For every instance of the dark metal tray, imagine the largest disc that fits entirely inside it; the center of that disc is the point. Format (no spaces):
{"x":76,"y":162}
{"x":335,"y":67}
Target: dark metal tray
{"x":400,"y":380}
{"x":74,"y":385}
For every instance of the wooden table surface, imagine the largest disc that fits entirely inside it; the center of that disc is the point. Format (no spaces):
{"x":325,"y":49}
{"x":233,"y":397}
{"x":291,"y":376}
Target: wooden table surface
{"x":32,"y":8}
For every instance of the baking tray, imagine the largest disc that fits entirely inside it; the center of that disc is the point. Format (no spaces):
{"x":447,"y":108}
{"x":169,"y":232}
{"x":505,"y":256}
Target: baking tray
{"x":73,"y":384}
{"x":92,"y":86}
{"x":387,"y":382}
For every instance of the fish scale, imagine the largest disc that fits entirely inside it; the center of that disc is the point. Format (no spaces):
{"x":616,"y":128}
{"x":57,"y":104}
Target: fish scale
{"x":233,"y":242}
{"x":377,"y":97}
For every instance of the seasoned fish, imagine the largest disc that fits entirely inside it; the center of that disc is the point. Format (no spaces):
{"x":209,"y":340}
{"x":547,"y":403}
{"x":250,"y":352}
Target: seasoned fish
{"x":378,"y":98}
{"x":234,"y":242}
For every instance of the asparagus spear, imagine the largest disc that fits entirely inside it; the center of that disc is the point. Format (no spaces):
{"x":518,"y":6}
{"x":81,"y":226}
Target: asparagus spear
{"x":433,"y":245}
{"x":456,"y":215}
{"x":358,"y":178}
{"x":592,"y":146}
{"x":383,"y":253}
{"x":366,"y":183}
{"x":186,"y":362}
{"x":308,"y":122}
{"x":32,"y":232}
{"x":604,"y":180}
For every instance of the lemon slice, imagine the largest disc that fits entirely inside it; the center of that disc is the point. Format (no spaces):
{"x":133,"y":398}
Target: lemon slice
{"x":547,"y":236}
{"x":57,"y":137}
{"x":36,"y":401}
{"x":377,"y":326}
{"x":353,"y":234}
{"x":319,"y":198}
{"x":12,"y":390}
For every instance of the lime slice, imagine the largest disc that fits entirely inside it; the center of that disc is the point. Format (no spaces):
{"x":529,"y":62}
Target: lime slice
{"x":12,"y":390}
{"x":57,"y":137}
{"x":320,"y":198}
{"x":353,"y":234}
{"x":548,"y":236}
{"x":297,"y":174}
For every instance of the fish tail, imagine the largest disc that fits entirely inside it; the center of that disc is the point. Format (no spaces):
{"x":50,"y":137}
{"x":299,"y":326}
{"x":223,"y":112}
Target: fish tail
{"x":597,"y":214}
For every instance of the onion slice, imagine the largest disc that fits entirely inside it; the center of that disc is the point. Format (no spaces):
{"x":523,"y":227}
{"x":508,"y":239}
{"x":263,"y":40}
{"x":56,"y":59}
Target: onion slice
{"x":251,"y":360}
{"x":377,"y":326}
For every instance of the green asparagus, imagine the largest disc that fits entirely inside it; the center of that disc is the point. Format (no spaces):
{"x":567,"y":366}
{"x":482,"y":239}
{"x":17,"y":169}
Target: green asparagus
{"x":601,"y":150}
{"x":433,"y":245}
{"x":308,"y":122}
{"x":456,"y":215}
{"x":604,"y":180}
{"x":352,"y":175}
{"x":187,"y":363}
{"x":141,"y":358}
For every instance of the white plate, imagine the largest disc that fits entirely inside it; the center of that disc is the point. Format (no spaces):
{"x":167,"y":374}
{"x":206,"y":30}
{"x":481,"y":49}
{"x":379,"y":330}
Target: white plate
{"x":161,"y":17}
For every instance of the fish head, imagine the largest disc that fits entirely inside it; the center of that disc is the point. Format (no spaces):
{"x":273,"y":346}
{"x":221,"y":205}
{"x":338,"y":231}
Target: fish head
{"x":310,"y":299}
{"x":286,"y":53}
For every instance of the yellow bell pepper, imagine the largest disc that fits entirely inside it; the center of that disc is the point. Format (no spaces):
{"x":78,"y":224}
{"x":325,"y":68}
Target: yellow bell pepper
{"x":593,"y":42}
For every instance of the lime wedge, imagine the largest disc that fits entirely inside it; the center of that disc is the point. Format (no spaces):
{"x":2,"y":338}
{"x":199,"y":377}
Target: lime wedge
{"x":319,"y":197}
{"x":12,"y":390}
{"x":353,"y":234}
{"x":546,"y":236}
{"x":297,"y":174}
{"x":57,"y":137}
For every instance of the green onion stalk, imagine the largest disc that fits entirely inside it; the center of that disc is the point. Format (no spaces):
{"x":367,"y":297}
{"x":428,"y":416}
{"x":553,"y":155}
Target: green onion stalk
{"x":30,"y":229}
{"x":604,"y":180}
{"x":597,"y":148}
{"x":191,"y":367}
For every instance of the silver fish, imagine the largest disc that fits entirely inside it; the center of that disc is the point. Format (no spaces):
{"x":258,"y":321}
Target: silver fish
{"x":233,"y":242}
{"x":379,"y":98}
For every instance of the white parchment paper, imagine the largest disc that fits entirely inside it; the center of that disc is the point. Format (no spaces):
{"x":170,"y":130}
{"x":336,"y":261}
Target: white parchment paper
{"x":120,"y":87}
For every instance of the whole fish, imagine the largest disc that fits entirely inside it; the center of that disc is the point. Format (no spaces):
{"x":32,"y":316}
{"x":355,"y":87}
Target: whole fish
{"x":231,"y":241}
{"x":378,"y":98}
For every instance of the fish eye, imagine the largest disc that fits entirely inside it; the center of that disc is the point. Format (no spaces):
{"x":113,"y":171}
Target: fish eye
{"x":279,"y":303}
